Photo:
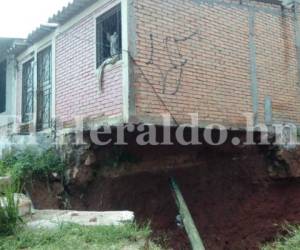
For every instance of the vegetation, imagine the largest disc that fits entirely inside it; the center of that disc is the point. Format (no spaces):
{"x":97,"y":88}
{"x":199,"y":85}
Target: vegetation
{"x":9,"y":215}
{"x":75,"y":237}
{"x":31,"y":163}
{"x":290,"y":241}
{"x":3,"y":169}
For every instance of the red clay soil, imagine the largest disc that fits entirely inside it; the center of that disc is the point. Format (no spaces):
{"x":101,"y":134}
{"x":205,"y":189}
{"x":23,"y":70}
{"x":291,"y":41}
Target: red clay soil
{"x":233,"y":201}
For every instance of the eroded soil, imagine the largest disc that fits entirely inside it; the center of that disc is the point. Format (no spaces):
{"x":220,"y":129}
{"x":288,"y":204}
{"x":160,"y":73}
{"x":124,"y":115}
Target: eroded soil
{"x":234,"y":202}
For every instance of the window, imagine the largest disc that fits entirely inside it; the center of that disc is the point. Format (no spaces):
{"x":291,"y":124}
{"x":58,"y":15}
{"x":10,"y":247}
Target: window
{"x":109,"y":35}
{"x":27,"y":91}
{"x":44,"y":88}
{"x":37,"y":72}
{"x":3,"y":87}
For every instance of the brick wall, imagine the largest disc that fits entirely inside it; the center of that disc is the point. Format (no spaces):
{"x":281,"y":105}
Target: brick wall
{"x":196,"y":56}
{"x":77,"y":87}
{"x":277,"y":66}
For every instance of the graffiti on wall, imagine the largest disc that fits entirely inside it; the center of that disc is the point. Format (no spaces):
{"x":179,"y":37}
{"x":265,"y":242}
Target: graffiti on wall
{"x":177,"y":61}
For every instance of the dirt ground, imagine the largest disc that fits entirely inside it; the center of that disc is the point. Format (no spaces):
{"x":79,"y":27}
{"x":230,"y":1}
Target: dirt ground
{"x":234,"y":202}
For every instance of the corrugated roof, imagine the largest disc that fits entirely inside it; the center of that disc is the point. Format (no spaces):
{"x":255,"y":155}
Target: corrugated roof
{"x":74,"y":8}
{"x":61,"y":17}
{"x":39,"y":33}
{"x":70,"y":11}
{"x":7,"y":45}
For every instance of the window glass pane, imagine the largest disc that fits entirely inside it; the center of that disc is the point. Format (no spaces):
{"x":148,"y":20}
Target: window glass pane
{"x":3,"y":87}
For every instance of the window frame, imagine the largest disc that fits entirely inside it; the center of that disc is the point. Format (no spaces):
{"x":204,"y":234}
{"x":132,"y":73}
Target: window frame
{"x":28,"y":55}
{"x":97,"y":19}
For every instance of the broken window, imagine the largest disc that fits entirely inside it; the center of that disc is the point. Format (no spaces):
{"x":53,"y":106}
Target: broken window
{"x":27,"y":91}
{"x":44,"y":88}
{"x":3,"y":87}
{"x":109,"y":35}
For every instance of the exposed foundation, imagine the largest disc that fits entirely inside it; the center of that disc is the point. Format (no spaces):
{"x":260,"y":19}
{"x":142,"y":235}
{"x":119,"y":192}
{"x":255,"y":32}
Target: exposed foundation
{"x":237,"y":195}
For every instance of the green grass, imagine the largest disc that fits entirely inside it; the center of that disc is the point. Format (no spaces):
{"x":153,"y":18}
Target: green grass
{"x":291,"y":241}
{"x":74,"y":237}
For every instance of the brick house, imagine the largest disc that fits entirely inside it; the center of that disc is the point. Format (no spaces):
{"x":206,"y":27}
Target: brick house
{"x":216,"y":58}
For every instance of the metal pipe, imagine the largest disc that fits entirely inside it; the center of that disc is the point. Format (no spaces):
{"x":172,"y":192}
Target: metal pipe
{"x":188,"y":222}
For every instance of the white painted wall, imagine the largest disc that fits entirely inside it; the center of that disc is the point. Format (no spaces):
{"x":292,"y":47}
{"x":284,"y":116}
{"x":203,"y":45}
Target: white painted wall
{"x":9,"y":115}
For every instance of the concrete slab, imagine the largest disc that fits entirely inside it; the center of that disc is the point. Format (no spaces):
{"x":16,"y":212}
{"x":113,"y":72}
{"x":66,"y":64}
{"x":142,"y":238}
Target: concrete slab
{"x":48,"y":219}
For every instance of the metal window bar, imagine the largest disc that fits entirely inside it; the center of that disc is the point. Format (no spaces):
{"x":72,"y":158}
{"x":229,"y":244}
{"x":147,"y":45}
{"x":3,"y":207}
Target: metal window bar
{"x":27,"y":91}
{"x":44,"y":89}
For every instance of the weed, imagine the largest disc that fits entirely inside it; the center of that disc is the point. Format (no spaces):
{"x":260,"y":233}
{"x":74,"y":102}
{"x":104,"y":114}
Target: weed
{"x":9,"y":212}
{"x":290,"y":241}
{"x":3,"y":169}
{"x":23,"y":165}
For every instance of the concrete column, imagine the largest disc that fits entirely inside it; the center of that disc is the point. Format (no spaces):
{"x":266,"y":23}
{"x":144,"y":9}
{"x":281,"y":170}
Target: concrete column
{"x":297,"y":34}
{"x":253,"y":66}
